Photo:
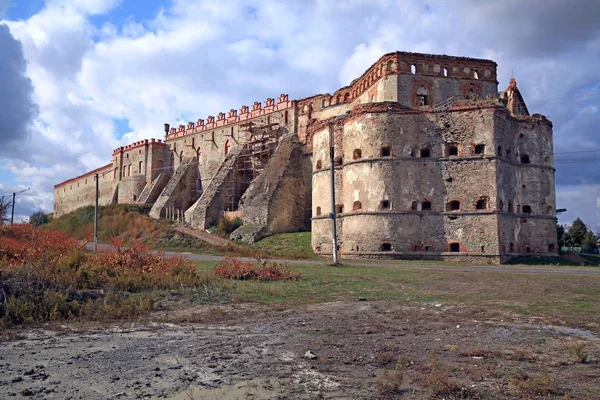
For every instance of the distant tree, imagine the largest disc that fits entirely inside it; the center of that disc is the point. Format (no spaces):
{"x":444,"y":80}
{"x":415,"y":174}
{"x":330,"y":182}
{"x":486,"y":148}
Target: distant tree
{"x":560,"y":235}
{"x":4,"y":208}
{"x":39,"y":218}
{"x":576,"y":234}
{"x":589,"y":241}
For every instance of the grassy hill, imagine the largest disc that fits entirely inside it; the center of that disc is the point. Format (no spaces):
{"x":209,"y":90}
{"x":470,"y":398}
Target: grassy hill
{"x":131,"y":222}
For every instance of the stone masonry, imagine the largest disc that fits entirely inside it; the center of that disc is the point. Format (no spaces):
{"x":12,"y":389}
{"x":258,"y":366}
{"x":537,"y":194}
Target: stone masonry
{"x":430,"y":161}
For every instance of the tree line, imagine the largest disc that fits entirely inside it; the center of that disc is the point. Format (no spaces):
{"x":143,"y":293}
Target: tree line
{"x":577,"y":235}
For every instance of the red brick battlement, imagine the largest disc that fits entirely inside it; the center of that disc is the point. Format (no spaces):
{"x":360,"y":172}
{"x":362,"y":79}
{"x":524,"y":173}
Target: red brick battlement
{"x":232,"y":117}
{"x":151,"y":142}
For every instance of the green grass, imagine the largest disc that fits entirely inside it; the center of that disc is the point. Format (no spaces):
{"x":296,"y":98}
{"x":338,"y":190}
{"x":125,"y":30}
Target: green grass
{"x":287,"y":245}
{"x":559,"y":297}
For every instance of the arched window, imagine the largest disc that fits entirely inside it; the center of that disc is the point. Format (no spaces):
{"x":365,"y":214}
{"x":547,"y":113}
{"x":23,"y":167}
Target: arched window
{"x":549,"y":210}
{"x":115,"y":173}
{"x":425,"y":205}
{"x":413,"y":206}
{"x":140,"y":167}
{"x":319,"y":164}
{"x":471,"y":95}
{"x":453,"y":205}
{"x":134,"y":197}
{"x":445,"y":71}
{"x":227,"y":147}
{"x":475,"y":75}
{"x":346,"y":97}
{"x":451,"y":149}
{"x":356,"y":154}
{"x":524,"y":159}
{"x":338,"y":161}
{"x":198,"y":155}
{"x":129,"y":170}
{"x":422,"y":96}
{"x":357,"y":205}
{"x":389,"y":65}
{"x":338,"y":99}
{"x":413,"y":68}
{"x":318,"y":211}
{"x":285,"y":118}
{"x":526,"y":209}
{"x":481,"y":204}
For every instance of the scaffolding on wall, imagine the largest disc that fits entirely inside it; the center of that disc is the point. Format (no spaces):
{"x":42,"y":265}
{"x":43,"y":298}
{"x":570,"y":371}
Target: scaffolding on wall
{"x":258,"y":148}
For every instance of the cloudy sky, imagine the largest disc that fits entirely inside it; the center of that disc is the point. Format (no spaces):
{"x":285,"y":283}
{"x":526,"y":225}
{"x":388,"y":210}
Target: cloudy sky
{"x":79,"y":78}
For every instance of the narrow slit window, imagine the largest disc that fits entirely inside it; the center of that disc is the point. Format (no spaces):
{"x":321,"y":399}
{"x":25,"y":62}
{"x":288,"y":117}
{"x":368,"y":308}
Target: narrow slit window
{"x":318,"y":211}
{"x":413,"y":69}
{"x":319,"y":164}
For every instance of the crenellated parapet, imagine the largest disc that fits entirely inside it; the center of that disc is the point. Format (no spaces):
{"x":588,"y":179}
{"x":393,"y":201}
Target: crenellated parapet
{"x":140,"y":143}
{"x":232,"y":117}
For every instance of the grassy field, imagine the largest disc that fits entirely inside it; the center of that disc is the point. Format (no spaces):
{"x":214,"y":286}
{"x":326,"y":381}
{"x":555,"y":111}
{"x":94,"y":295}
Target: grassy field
{"x":573,"y":299}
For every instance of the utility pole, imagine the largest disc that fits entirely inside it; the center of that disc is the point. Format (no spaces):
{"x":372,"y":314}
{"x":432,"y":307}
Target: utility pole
{"x":332,"y":172}
{"x":12,"y":212}
{"x":96,"y":216}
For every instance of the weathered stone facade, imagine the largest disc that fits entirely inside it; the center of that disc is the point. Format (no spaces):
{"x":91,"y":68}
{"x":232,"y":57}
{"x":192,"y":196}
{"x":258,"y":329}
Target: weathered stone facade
{"x":430,"y":162}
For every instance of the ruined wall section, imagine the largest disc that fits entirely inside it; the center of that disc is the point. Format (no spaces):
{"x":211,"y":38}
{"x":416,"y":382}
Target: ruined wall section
{"x":526,"y":183}
{"x":210,"y":140}
{"x":178,"y":194}
{"x":395,"y":181}
{"x":80,"y":191}
{"x":279,"y":197}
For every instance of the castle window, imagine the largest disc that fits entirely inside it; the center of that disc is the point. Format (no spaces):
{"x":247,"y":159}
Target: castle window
{"x":551,"y":248}
{"x":452,"y":149}
{"x":389,"y":65}
{"x":346,"y":97}
{"x":511,"y":247}
{"x":483,"y":249}
{"x":449,"y":179}
{"x":140,"y":167}
{"x":427,"y":247}
{"x":198,"y":155}
{"x":227,"y":148}
{"x":356,"y":154}
{"x":479,"y":148}
{"x":318,"y":211}
{"x":422,"y":96}
{"x":549,"y":210}
{"x":285,"y":118}
{"x":338,"y":161}
{"x":499,"y":151}
{"x":526,"y":209}
{"x":413,"y":69}
{"x":425,"y":153}
{"x":425,"y":205}
{"x":475,"y":75}
{"x":524,"y":159}
{"x":507,"y":153}
{"x":385,"y":151}
{"x":129,"y":170}
{"x":268,"y":122}
{"x":453,"y":205}
{"x":386,"y":247}
{"x":454,"y":247}
{"x":319,"y":164}
{"x":357,"y":205}
{"x":194,"y":139}
{"x":445,"y":71}
{"x":500,"y":205}
{"x":134,"y":197}
{"x":413,"y":206}
{"x":481,"y":204}
{"x":339,"y":208}
{"x":339,"y":99}
{"x":528,"y":249}
{"x":384,"y":205}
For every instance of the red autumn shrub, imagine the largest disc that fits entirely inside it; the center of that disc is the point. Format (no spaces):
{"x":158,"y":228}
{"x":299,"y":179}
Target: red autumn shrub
{"x":261,"y":270}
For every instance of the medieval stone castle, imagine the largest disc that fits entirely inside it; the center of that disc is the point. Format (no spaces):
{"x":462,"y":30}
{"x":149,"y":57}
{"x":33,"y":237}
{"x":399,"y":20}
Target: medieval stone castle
{"x":430,"y":161}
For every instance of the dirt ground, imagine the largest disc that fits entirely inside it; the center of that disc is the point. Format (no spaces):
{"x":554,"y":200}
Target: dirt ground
{"x":356,"y":350}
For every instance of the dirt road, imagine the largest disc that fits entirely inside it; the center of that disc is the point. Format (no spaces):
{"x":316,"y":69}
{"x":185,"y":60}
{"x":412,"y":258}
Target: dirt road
{"x":251,"y":352}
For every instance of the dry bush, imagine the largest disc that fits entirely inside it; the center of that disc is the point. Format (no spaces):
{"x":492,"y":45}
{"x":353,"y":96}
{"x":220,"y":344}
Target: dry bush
{"x":578,"y":352}
{"x":46,"y":276}
{"x":262,"y":270}
{"x":519,"y":355}
{"x":539,"y":385}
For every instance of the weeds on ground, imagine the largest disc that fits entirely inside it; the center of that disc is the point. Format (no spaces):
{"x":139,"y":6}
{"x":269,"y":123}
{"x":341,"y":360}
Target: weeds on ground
{"x":539,"y":385}
{"x":262,"y":270}
{"x":47,"y":276}
{"x":391,"y":381}
{"x":578,"y":352}
{"x":440,"y":384}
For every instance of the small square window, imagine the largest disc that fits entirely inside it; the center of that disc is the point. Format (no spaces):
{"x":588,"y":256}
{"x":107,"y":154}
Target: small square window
{"x":425,"y":153}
